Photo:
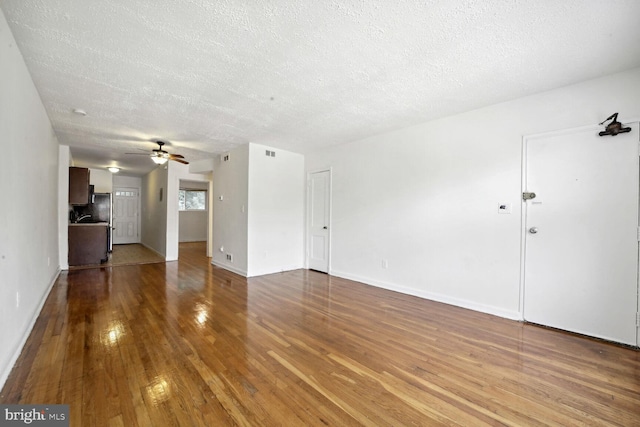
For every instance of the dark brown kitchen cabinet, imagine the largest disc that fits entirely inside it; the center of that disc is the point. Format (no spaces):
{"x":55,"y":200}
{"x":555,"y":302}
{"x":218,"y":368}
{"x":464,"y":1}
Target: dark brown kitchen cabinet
{"x":87,"y":244}
{"x":78,"y":186}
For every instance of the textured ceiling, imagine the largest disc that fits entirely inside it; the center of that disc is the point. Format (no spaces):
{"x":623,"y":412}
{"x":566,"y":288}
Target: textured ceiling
{"x":297,"y":75}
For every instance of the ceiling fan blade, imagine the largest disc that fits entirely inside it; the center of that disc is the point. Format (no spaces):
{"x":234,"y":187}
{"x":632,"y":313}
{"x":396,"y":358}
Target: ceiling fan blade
{"x":161,"y":153}
{"x":184,"y":162}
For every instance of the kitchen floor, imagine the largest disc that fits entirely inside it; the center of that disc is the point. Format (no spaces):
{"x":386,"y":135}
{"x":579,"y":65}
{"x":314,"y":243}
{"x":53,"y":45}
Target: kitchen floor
{"x":131,"y":254}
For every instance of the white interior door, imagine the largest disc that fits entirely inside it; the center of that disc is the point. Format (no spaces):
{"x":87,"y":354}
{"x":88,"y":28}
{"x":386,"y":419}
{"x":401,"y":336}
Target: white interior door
{"x":318,"y":237}
{"x":125,"y":215}
{"x":581,"y":244}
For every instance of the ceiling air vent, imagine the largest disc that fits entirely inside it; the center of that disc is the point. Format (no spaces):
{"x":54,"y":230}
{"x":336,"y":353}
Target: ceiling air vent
{"x":269,"y":153}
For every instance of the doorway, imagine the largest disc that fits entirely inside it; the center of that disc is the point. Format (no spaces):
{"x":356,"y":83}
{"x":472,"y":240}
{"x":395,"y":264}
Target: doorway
{"x":126,"y":218}
{"x":580,"y":233}
{"x":193,"y":215}
{"x":319,"y":219}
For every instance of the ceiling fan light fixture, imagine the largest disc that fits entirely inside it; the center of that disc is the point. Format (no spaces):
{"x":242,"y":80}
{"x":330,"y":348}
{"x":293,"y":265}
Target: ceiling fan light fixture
{"x":159,"y":156}
{"x":113,"y":169}
{"x":159,"y":159}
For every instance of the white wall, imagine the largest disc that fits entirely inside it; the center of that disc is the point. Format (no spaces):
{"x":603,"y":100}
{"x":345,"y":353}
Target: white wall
{"x":126,"y":181}
{"x":276,"y":211}
{"x":193,"y":226}
{"x":426,"y":198}
{"x":29,"y":261}
{"x":64,"y":161}
{"x":154,"y":211}
{"x":195,"y":185}
{"x":231,"y":182}
{"x":202,"y":166}
{"x":260,"y":219}
{"x":102,"y":180}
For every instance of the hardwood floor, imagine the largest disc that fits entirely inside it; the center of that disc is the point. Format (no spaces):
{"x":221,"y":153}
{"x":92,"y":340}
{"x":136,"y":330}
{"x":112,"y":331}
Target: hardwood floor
{"x":186,"y":343}
{"x":128,"y":254}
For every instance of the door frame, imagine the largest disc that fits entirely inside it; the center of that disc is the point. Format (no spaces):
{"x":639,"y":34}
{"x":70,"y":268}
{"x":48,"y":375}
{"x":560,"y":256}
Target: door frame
{"x":308,"y":216}
{"x":209,"y":203}
{"x":138,"y":212}
{"x":523,"y":210}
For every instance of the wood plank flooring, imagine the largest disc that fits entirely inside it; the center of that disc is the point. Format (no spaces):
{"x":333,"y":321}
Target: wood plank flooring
{"x":128,"y":254}
{"x":188,"y":344}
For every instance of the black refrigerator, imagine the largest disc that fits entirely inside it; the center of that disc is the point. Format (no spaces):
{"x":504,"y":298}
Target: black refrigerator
{"x":101,"y":210}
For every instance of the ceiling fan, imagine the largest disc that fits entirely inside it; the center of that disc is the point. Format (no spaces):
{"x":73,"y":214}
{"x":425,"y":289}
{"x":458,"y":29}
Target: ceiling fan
{"x":160,"y":155}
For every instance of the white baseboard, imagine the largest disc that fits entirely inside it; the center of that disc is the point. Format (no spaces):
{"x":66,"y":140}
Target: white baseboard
{"x":7,"y":369}
{"x":279,"y":270}
{"x":231,"y":268}
{"x":433,"y":296}
{"x":156,"y":252}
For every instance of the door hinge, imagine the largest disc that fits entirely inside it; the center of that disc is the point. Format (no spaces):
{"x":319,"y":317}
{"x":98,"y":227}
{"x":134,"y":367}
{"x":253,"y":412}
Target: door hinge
{"x":528,"y":196}
{"x":637,"y":320}
{"x":638,"y":234}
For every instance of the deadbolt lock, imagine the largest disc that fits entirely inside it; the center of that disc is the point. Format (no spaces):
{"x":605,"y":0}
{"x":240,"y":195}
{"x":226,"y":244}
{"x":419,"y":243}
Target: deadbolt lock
{"x":528,"y":196}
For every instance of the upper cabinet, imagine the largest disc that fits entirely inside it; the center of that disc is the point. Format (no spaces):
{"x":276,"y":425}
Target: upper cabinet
{"x":78,"y":186}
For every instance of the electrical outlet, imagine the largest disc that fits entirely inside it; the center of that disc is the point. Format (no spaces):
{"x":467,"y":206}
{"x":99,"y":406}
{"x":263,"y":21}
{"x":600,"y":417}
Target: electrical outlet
{"x":229,"y":257}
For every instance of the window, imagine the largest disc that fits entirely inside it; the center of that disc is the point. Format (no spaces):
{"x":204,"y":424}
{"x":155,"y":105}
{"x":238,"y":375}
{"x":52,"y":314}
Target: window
{"x":192,"y":200}
{"x":126,"y":193}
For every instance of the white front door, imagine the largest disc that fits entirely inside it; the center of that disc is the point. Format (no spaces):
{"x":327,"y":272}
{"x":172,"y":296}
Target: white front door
{"x":125,"y":215}
{"x":318,"y":235}
{"x":581,"y":244}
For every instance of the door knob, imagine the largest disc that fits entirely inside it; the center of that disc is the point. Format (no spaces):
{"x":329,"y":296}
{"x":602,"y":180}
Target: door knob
{"x":533,"y":230}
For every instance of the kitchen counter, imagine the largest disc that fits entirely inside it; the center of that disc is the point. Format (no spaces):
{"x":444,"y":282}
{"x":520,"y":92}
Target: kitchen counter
{"x":88,"y":243}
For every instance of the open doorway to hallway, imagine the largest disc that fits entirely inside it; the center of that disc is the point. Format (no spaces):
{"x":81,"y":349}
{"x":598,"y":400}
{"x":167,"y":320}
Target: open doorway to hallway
{"x":193,"y":216}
